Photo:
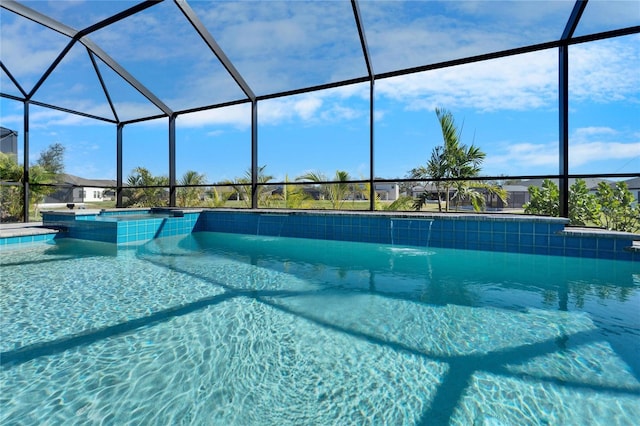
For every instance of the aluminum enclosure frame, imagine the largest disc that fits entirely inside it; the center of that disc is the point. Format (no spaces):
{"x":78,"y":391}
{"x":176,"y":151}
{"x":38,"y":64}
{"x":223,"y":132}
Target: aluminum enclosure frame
{"x":93,"y":50}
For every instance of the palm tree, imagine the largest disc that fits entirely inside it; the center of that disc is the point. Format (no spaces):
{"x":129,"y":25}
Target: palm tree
{"x":295,"y":197}
{"x":243,"y":185}
{"x":217,"y":199}
{"x":456,"y":161}
{"x":191,"y":194}
{"x":148,"y":190}
{"x":436,"y":170}
{"x":338,"y":192}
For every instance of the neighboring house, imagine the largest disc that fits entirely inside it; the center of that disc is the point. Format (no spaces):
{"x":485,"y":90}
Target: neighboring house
{"x":9,"y":142}
{"x":418,"y":190}
{"x":592,"y":183}
{"x":517,"y":196}
{"x":387,"y":191}
{"x":518,"y":191}
{"x":81,"y":190}
{"x":634,"y":187}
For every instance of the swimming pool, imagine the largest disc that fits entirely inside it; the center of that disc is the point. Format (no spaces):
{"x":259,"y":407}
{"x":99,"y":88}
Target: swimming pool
{"x":215,"y":328}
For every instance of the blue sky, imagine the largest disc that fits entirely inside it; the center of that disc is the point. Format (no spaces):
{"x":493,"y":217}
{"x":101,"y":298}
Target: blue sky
{"x":508,"y":107}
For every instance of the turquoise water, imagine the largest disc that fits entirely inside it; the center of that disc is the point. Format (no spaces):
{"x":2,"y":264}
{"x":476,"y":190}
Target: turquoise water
{"x":232,"y":329}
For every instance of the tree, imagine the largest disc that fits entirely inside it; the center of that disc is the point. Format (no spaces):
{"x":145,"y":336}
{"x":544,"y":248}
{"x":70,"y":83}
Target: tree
{"x":450,"y":166}
{"x":10,"y":195}
{"x":404,"y":202}
{"x":583,"y":207}
{"x":10,"y":170}
{"x":243,"y":187}
{"x":190,"y":195}
{"x":617,"y":209}
{"x":52,"y":159}
{"x":147,"y":190}
{"x":337,"y":192}
{"x":611,"y":207}
{"x":39,"y":178}
{"x":48,"y":169}
{"x":436,"y":170}
{"x":216,"y":199}
{"x":544,"y":200}
{"x":295,"y":197}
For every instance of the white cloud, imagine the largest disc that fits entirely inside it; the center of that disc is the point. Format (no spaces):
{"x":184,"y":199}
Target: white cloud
{"x":132,"y":110}
{"x":585,"y":132}
{"x":601,"y":15}
{"x":341,"y":113}
{"x":518,"y":158}
{"x":50,"y":118}
{"x":238,"y":116}
{"x":28,"y":49}
{"x":587,"y":152}
{"x":605,"y":71}
{"x":587,"y":146}
{"x":409,"y":34}
{"x":602,"y":72}
{"x":307,"y":107}
{"x":517,"y":83}
{"x":12,"y":120}
{"x":279,"y":46}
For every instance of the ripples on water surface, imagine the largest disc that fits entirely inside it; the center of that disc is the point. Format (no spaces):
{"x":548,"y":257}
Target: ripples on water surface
{"x":245,"y":330}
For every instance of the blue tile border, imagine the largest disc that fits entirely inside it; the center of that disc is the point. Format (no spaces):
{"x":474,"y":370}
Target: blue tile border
{"x":93,"y":226}
{"x":519,"y":234}
{"x":22,"y":240}
{"x":512,"y":233}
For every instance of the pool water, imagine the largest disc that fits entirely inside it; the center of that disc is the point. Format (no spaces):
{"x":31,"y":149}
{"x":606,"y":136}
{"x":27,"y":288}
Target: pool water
{"x":230,"y":329}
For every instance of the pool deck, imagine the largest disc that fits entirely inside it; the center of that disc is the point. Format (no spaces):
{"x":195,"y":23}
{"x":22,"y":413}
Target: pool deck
{"x":8,"y":230}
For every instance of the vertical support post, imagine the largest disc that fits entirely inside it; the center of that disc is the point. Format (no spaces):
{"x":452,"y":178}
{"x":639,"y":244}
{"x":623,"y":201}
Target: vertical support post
{"x":563,"y":142}
{"x":172,"y":160}
{"x":25,"y":165}
{"x":119,"y":157}
{"x":254,"y":154}
{"x":372,"y":78}
{"x":563,"y":101}
{"x":372,"y":176}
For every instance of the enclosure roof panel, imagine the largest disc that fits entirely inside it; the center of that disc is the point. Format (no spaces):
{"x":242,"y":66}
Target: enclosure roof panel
{"x":174,"y":56}
{"x":410,"y":34}
{"x":160,"y":48}
{"x":280,"y":46}
{"x":86,"y":93}
{"x":27,"y":48}
{"x":607,"y":15}
{"x":79,"y":14}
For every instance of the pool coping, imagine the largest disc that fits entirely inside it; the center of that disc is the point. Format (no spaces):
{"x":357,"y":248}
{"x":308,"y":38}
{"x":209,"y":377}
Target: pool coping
{"x":18,"y":229}
{"x":35,"y":229}
{"x":21,"y":229}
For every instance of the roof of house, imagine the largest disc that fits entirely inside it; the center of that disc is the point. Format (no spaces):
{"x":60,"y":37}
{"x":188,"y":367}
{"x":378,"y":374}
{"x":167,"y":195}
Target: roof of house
{"x":633,"y":183}
{"x":592,"y":183}
{"x":515,"y":188}
{"x":94,"y":183}
{"x":4,"y":132}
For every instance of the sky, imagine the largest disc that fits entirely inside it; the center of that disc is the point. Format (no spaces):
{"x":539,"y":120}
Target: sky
{"x":507,"y":107}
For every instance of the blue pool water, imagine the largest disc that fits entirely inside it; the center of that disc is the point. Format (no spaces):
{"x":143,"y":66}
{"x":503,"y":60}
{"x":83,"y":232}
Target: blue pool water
{"x":232,"y":329}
